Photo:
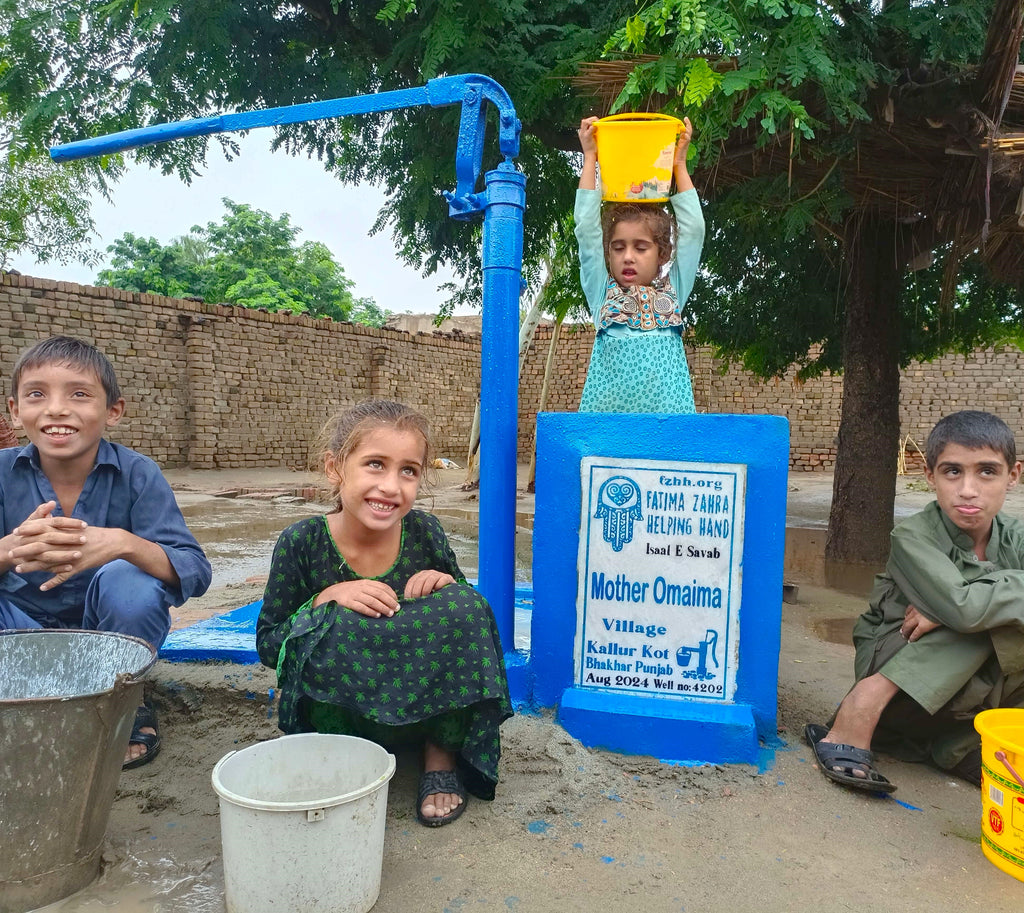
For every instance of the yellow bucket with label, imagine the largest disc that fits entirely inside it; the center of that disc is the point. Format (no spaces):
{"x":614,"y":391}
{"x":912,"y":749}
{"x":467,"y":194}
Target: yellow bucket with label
{"x":635,"y":153}
{"x":1002,"y":788}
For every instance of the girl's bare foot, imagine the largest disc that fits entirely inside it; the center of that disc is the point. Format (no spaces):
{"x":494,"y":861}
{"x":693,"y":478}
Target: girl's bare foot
{"x":439,"y":807}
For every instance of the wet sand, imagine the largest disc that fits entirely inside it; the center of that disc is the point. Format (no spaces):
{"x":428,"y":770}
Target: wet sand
{"x":572,"y":829}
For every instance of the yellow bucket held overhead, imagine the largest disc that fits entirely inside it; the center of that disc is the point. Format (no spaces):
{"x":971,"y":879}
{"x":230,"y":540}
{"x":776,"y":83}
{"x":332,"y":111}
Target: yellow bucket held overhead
{"x":1002,"y":788}
{"x":635,"y":153}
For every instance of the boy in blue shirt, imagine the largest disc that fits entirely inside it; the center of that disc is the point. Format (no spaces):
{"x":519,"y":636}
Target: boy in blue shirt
{"x":91,"y":534}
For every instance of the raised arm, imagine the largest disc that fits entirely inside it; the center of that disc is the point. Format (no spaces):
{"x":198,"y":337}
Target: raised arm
{"x":679,"y":169}
{"x":588,"y":143}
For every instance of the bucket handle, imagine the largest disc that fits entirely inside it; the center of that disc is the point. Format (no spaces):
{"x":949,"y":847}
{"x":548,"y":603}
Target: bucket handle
{"x":1001,"y":756}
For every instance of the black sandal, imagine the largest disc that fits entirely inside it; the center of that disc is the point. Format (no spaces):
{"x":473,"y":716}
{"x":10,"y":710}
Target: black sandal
{"x":440,"y":781}
{"x":848,"y":758}
{"x":145,"y":718}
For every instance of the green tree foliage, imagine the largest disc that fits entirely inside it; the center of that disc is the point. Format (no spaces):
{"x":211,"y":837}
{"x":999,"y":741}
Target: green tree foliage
{"x":769,"y":300}
{"x":771,"y":282}
{"x":145,"y":265}
{"x":787,"y":98}
{"x":248,"y":258}
{"x":367,"y":311}
{"x":88,"y":67}
{"x":44,"y":211}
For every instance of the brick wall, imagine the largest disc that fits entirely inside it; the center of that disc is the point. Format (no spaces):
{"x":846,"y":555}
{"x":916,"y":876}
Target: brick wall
{"x":212,"y":386}
{"x":812,"y":407}
{"x":569,"y":370}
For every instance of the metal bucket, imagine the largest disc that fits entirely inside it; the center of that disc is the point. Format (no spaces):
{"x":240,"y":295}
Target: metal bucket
{"x":67,"y":705}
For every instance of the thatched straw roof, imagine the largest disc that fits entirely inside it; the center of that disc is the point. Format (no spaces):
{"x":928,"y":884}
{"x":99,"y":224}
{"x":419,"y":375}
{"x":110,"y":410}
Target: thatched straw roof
{"x":942,"y":148}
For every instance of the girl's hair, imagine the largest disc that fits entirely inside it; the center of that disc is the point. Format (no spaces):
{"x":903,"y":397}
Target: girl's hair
{"x":344,"y":432}
{"x":652,"y":215}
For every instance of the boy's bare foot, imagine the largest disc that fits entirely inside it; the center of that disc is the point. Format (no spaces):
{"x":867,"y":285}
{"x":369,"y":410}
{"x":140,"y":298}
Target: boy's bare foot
{"x":844,"y":752}
{"x":144,"y":742}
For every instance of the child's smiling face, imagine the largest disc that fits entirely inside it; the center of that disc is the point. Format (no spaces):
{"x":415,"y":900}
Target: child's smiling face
{"x":378,"y":481}
{"x":63,"y":410}
{"x":633,"y":255}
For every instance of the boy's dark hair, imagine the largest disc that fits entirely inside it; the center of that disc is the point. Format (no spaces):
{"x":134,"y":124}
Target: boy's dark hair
{"x":652,"y":215}
{"x":66,"y":350}
{"x":971,"y":429}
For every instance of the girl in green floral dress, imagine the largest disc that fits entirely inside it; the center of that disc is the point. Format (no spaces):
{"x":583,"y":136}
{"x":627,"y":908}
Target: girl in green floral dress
{"x":371,"y":625}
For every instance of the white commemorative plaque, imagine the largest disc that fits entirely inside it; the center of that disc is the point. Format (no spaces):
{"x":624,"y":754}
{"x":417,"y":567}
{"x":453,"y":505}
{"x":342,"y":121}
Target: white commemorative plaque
{"x":659,"y":577}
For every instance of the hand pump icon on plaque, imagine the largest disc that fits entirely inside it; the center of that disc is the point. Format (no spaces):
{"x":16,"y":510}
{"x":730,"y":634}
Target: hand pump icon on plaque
{"x":708,"y":644}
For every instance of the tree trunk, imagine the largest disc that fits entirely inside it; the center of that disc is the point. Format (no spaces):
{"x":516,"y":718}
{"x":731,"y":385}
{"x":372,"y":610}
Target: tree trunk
{"x":472,"y":480}
{"x":527,"y":330}
{"x":864,"y":488}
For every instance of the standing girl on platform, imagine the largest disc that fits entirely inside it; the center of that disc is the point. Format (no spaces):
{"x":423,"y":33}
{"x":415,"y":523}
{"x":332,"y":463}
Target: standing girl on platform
{"x":638,"y":363}
{"x":371,"y":625}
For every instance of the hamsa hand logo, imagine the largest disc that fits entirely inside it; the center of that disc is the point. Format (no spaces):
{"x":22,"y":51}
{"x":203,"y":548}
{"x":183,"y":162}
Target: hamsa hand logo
{"x":618,"y":504}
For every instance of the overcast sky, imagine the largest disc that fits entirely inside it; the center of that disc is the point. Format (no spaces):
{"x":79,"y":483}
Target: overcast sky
{"x":149,"y":204}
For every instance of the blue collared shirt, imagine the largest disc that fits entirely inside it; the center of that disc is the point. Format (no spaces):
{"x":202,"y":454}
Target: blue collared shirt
{"x":125,"y":490}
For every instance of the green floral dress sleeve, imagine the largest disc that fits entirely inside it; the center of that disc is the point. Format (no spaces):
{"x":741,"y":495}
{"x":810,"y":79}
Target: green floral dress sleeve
{"x":436,"y":553}
{"x":290,"y":586}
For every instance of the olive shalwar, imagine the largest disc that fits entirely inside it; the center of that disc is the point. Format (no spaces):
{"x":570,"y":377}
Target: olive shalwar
{"x":974,"y":662}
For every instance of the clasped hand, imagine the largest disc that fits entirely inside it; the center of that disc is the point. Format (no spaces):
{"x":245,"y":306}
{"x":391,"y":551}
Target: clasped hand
{"x":64,"y":546}
{"x":374,"y":598}
{"x":915,"y":625}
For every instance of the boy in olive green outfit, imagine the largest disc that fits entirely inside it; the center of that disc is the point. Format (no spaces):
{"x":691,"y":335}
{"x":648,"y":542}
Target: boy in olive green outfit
{"x":943,"y":638}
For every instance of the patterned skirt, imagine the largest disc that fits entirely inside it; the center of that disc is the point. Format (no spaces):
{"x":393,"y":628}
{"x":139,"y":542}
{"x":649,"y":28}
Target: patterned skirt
{"x":639,"y":372}
{"x":435,"y":669}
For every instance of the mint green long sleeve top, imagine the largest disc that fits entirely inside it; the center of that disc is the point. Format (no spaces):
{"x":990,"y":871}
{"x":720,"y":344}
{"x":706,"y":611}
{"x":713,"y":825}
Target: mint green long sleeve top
{"x":689,"y":241}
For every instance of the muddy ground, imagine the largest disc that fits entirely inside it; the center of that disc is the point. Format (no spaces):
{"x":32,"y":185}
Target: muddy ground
{"x":571,"y":829}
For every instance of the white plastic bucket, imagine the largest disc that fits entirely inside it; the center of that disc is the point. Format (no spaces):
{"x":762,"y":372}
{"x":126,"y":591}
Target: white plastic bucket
{"x":302,"y":824}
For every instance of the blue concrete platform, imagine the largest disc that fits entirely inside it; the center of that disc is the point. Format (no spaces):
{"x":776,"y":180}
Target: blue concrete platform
{"x":228,"y":638}
{"x":580,"y":620}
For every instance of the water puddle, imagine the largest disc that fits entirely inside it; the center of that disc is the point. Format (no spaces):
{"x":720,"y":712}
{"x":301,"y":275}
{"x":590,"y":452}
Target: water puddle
{"x":465,"y":546}
{"x":238,"y":535}
{"x":135,"y":882}
{"x":835,"y":630}
{"x":524,"y":521}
